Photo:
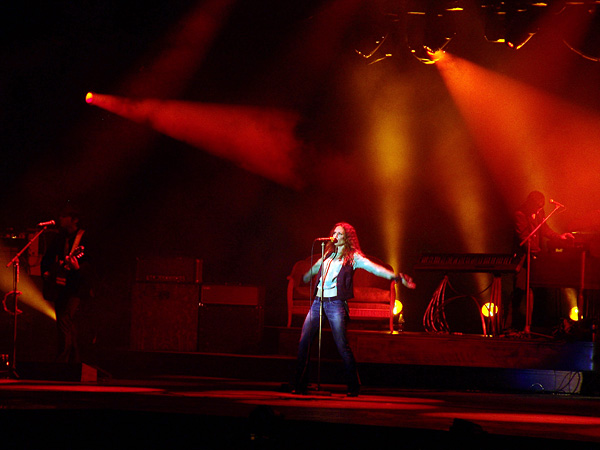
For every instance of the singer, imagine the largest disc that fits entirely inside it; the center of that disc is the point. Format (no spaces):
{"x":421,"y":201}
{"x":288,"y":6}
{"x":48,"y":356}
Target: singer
{"x":66,"y":275}
{"x":342,"y":257}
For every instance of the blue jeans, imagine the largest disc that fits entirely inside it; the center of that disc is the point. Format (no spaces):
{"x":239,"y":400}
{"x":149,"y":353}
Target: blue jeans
{"x":336,"y":315}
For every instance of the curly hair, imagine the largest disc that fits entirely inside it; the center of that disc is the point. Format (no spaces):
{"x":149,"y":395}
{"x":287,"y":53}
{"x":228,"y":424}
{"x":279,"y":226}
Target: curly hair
{"x":351,"y":246}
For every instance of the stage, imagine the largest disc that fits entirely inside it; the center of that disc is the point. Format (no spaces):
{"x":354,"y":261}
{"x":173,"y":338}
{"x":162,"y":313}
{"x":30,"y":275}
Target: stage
{"x":419,"y":391}
{"x":225,"y":413}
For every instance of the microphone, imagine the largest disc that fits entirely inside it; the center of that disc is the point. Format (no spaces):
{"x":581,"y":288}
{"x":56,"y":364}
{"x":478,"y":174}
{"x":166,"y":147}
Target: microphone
{"x":560,"y":205}
{"x":331,"y":239}
{"x":46,"y":224}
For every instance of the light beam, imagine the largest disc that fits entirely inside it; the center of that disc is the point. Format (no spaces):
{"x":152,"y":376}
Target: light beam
{"x":261,"y":141}
{"x":529,"y":139}
{"x":30,"y":293}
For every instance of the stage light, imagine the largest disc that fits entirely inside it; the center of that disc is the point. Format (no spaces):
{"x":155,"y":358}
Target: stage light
{"x":574,"y":314}
{"x":489,"y":310}
{"x":453,"y":5}
{"x":427,"y":56}
{"x":513,"y":23}
{"x":584,"y":39}
{"x":11,"y":301}
{"x":495,"y":27}
{"x":376,"y":54}
{"x":28,"y":291}
{"x":429,"y":29}
{"x":398,"y":307}
{"x":89,"y":97}
{"x":520,"y":30}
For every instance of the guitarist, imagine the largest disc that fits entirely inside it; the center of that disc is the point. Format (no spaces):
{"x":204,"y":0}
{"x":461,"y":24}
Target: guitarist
{"x":66,"y":275}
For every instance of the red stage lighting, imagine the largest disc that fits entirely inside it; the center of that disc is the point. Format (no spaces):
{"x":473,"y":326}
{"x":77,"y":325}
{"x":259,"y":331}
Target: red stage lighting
{"x":259,"y":140}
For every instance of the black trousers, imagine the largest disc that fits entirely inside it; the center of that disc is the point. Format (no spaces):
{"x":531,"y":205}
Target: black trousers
{"x":66,"y":309}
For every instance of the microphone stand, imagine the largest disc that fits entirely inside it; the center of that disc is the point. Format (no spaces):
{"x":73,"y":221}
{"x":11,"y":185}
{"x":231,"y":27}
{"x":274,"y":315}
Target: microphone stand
{"x":319,"y":391}
{"x":321,"y":316}
{"x":529,"y":296}
{"x":15,"y":263}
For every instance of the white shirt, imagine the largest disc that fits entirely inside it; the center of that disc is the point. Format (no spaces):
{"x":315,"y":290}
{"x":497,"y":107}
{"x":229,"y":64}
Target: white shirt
{"x":332,"y":268}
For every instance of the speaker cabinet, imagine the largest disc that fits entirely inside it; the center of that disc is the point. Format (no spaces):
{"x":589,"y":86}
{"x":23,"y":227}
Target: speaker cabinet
{"x":229,"y":328}
{"x":229,"y":294}
{"x":160,"y":269}
{"x":230,"y":319}
{"x":164,"y":316}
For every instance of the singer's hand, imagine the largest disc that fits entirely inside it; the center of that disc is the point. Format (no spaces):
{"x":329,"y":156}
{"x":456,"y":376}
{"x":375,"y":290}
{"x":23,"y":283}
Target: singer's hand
{"x":406,"y":280}
{"x":567,"y":236}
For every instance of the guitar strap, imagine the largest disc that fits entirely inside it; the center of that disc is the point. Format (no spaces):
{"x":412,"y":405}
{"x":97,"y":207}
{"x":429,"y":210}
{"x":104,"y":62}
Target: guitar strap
{"x":76,"y":241}
{"x":62,"y":281}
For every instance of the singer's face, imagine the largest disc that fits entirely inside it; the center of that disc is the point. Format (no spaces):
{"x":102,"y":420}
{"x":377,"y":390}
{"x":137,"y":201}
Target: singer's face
{"x":340,"y":234}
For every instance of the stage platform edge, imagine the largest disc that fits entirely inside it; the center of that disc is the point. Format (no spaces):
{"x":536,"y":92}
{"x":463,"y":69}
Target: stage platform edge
{"x":397,"y":361}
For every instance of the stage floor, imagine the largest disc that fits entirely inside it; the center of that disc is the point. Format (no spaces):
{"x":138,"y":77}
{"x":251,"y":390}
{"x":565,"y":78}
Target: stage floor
{"x":185,"y":412}
{"x":419,"y":391}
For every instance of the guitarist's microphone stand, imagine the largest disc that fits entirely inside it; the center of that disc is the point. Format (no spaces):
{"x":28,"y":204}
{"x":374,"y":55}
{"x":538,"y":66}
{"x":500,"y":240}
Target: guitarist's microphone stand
{"x":12,"y":369}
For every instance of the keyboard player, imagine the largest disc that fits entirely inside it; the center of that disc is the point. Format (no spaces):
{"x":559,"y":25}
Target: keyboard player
{"x":527,"y":217}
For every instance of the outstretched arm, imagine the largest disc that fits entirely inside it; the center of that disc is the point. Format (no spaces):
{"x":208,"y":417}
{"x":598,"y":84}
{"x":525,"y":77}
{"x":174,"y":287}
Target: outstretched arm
{"x":361,"y":262}
{"x":407,"y":281}
{"x":312,"y":271}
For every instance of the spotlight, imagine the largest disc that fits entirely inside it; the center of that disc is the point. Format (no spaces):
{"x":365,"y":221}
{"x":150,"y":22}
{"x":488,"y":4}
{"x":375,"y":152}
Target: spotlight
{"x":489,"y":310}
{"x":398,"y":307}
{"x":513,"y":23}
{"x":495,"y":25}
{"x":370,"y":56}
{"x":574,"y":314}
{"x":11,"y":308}
{"x":521,"y":29}
{"x":426,"y":56}
{"x":430,"y":26}
{"x":89,"y":97}
{"x":453,"y":5}
{"x":585,"y":41}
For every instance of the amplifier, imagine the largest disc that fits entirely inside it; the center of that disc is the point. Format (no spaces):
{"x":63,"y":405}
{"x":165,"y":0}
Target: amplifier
{"x":164,"y":316}
{"x":216,"y":294}
{"x":168,"y":270}
{"x":226,"y":328}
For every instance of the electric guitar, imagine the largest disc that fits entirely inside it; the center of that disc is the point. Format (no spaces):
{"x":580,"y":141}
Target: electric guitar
{"x":56,"y":278}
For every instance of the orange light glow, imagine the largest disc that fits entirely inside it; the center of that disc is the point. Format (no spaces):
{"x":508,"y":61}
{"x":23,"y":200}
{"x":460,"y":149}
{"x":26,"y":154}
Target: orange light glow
{"x":29,"y":292}
{"x":528,"y":139}
{"x":496,"y":109}
{"x":460,"y":183}
{"x":89,"y":97}
{"x":437,"y":55}
{"x":261,"y":141}
{"x":428,"y":56}
{"x":574,"y":314}
{"x":387,"y":151}
{"x":175,"y":59}
{"x":398,"y":307}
